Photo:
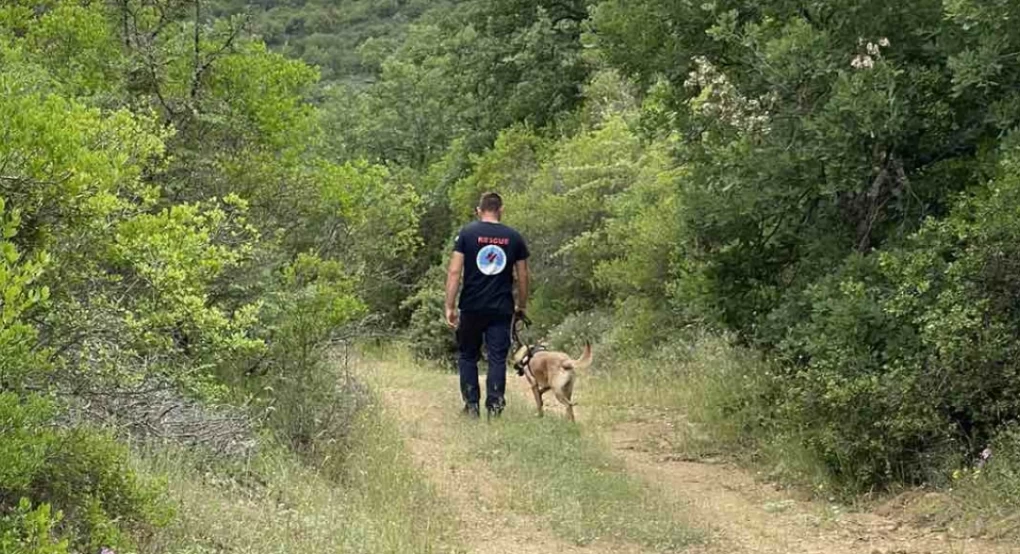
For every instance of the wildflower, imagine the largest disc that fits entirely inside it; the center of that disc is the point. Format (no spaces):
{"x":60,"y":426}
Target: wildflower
{"x":862,"y":62}
{"x":883,"y":42}
{"x":984,"y":456}
{"x":873,"y":49}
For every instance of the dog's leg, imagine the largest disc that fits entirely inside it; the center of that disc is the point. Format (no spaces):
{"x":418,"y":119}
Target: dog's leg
{"x":538,"y":398}
{"x":561,"y":395}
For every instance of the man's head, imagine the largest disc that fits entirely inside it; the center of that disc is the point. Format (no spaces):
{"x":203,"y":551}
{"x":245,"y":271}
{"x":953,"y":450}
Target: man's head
{"x":491,"y":205}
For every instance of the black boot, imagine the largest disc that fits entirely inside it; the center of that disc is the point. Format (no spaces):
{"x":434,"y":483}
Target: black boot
{"x":494,"y":411}
{"x":471,"y":409}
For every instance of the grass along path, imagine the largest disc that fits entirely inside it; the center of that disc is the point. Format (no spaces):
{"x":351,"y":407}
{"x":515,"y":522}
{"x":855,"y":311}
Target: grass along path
{"x":523,"y":485}
{"x":644,"y":415}
{"x":374,"y":501}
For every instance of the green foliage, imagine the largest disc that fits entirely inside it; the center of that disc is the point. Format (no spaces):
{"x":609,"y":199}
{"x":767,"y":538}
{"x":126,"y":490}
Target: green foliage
{"x":817,"y":212}
{"x":172,"y":228}
{"x":77,"y":41}
{"x":172,"y":259}
{"x":835,"y":183}
{"x":509,"y":166}
{"x":310,"y":307}
{"x":329,"y":34}
{"x":83,"y":474}
{"x":30,"y":531}
{"x":902,"y":361}
{"x":19,"y":361}
{"x":465,"y":71}
{"x":429,"y":335}
{"x":262,"y":92}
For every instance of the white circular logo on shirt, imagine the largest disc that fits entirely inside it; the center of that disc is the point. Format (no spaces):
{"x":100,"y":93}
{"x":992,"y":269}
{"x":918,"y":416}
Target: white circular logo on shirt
{"x":491,"y":260}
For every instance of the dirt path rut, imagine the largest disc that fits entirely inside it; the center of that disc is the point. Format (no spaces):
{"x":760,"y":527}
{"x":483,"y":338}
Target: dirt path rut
{"x":745,"y":515}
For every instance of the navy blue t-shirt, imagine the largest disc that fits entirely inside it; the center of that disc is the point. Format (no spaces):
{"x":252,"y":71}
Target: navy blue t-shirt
{"x":490,"y":252}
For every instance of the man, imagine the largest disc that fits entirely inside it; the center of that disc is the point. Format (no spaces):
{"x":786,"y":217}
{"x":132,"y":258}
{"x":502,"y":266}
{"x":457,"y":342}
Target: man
{"x":488,"y":253}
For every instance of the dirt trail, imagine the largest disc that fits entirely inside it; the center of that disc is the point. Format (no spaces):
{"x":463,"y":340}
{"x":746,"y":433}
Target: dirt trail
{"x":741,"y":514}
{"x":747,"y":516}
{"x":428,"y":420}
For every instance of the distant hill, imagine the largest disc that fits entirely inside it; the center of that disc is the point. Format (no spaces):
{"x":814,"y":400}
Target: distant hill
{"x":328,"y":33}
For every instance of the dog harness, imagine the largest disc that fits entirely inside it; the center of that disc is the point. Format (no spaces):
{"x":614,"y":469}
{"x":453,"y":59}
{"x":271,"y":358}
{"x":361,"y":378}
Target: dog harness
{"x":525,"y":362}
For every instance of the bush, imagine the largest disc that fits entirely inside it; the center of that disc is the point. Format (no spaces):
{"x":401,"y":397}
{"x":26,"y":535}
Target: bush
{"x":576,"y":329}
{"x":902,"y":362}
{"x":85,"y":474}
{"x":850,"y":390}
{"x":430,"y":338}
{"x":30,"y":531}
{"x":303,"y":316}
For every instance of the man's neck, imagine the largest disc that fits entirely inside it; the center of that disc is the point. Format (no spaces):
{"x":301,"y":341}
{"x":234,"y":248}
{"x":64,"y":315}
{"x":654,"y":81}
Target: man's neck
{"x":488,"y":218}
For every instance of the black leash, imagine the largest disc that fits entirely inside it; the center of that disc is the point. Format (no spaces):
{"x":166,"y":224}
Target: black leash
{"x":525,"y":363}
{"x":522,"y":319}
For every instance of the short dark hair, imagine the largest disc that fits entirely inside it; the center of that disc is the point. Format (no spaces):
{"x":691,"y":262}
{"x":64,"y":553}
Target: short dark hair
{"x":490,"y":202}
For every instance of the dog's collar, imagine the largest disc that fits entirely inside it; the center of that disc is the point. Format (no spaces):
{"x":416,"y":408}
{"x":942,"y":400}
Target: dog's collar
{"x":525,"y":362}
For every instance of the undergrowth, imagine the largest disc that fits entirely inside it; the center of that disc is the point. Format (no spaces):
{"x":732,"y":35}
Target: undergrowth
{"x":720,"y":401}
{"x":365,"y":496}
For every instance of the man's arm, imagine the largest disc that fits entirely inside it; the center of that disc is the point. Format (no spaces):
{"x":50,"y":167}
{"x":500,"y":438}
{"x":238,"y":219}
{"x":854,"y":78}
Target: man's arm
{"x":522,"y":285}
{"x":452,"y":284}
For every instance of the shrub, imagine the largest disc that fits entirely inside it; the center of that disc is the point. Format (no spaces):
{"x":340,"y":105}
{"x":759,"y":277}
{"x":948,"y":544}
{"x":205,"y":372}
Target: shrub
{"x":85,"y":474}
{"x":303,"y":315}
{"x":28,"y":530}
{"x":429,"y":336}
{"x":902,"y":362}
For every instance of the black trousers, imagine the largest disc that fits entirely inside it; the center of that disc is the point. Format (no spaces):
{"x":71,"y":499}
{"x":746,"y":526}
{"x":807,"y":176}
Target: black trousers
{"x":495,"y":330}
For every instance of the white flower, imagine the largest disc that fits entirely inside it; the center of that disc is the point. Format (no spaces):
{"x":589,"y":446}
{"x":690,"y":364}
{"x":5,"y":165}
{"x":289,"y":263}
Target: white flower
{"x":883,"y":42}
{"x":873,"y":49}
{"x":862,"y":61}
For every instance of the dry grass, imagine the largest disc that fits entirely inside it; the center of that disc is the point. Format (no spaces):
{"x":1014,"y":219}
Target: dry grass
{"x":372,"y":501}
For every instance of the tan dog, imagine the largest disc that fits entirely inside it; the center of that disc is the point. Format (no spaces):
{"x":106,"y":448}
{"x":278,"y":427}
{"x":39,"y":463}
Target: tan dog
{"x":553,"y":370}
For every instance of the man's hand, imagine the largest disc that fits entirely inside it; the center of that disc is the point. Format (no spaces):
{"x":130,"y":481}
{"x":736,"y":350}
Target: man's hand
{"x":522,"y":287}
{"x":452,"y":283}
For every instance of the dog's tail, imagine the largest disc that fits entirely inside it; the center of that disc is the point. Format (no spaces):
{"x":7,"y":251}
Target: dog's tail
{"x":582,"y":363}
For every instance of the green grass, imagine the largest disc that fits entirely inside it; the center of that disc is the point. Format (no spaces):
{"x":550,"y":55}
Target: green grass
{"x":576,"y":485}
{"x":705,"y":384}
{"x":714,"y":397}
{"x":985,"y":498}
{"x":371,"y":500}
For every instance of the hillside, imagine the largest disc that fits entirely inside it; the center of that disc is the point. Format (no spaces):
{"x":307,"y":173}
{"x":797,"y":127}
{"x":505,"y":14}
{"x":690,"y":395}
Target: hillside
{"x":329,"y":34}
